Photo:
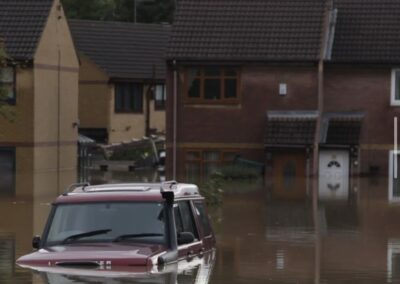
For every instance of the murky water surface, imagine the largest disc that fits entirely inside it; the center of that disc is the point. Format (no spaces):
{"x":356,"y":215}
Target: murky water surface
{"x":264,"y":234}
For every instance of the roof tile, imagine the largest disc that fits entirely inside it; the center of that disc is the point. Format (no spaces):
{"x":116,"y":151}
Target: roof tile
{"x":123,"y":50}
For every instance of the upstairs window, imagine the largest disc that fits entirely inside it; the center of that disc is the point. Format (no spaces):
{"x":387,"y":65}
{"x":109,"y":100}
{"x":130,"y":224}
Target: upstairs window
{"x":7,"y":83}
{"x":7,"y":171}
{"x":128,"y":98}
{"x":395,"y":89}
{"x":212,"y":84}
{"x":159,"y":97}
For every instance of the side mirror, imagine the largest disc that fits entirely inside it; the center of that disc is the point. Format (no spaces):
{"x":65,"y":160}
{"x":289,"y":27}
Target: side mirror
{"x":185,"y":238}
{"x":36,"y":242}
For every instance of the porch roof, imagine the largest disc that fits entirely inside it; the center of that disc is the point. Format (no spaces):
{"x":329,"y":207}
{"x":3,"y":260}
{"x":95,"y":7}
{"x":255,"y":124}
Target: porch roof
{"x":290,"y":128}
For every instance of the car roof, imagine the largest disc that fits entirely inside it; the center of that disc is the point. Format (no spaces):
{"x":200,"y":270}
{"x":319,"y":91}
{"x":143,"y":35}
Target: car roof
{"x":128,"y":192}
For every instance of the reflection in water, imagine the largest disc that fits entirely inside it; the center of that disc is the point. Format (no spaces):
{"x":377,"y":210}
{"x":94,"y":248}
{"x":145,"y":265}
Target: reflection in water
{"x":265,"y":235}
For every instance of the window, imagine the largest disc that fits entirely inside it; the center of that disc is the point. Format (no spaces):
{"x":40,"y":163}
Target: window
{"x":211,"y":84}
{"x":201,"y":212}
{"x":203,"y":163}
{"x":7,"y":82}
{"x":394,"y":177}
{"x":184,"y":220}
{"x":7,"y":171}
{"x":395,"y":89}
{"x":128,"y":97}
{"x":159,"y":97}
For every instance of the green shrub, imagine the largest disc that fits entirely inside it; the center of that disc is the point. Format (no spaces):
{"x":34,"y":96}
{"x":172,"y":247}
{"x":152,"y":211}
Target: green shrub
{"x":240,"y":172}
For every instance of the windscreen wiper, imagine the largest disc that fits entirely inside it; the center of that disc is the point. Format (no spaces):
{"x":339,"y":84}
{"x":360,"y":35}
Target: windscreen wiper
{"x":87,"y":234}
{"x":129,"y":236}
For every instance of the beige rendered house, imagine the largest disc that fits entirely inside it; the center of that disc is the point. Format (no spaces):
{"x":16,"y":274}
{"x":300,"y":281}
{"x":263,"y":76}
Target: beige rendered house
{"x":38,"y":145}
{"x":119,"y":62}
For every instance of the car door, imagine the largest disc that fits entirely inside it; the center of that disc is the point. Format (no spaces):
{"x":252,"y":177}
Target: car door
{"x":184,"y":221}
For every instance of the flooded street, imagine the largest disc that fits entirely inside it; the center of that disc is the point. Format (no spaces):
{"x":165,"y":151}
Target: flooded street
{"x":264,"y":235}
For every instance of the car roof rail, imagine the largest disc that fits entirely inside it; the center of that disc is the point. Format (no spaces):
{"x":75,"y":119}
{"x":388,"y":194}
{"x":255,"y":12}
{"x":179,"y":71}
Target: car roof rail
{"x":74,"y":186}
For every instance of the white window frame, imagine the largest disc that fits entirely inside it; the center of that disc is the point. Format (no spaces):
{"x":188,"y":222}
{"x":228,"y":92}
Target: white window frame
{"x":391,"y":198}
{"x":393,"y":100}
{"x":392,"y":249}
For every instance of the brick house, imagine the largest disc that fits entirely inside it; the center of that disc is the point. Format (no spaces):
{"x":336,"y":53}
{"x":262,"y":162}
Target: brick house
{"x":251,"y":78}
{"x":38,"y":147}
{"x":119,"y":62}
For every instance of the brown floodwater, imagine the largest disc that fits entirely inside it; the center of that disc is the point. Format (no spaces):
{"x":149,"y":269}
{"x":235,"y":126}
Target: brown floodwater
{"x":265,"y":234}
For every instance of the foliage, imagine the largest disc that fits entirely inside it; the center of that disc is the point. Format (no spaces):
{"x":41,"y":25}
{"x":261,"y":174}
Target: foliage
{"x":212,"y":189}
{"x":235,"y":172}
{"x":147,"y":11}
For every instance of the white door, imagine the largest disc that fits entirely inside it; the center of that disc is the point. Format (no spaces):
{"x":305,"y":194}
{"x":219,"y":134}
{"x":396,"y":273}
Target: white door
{"x":333,"y":174}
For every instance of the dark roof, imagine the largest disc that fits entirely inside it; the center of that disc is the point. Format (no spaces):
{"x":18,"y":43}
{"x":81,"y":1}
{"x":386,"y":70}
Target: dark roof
{"x":123,"y":50}
{"x":341,"y":128}
{"x":21,"y":26}
{"x":367,"y":31}
{"x":290,"y":128}
{"x":247,"y":30}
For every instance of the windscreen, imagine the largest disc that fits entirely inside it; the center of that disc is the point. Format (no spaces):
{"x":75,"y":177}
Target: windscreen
{"x":107,"y":222}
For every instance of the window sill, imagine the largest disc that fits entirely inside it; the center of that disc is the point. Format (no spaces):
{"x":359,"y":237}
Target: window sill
{"x":395,"y":103}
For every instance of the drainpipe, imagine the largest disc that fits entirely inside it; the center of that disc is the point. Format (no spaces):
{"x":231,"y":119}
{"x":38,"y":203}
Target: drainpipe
{"x":175,"y":120}
{"x":323,"y":54}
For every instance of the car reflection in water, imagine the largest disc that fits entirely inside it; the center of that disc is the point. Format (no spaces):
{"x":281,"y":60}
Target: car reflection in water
{"x":195,"y":271}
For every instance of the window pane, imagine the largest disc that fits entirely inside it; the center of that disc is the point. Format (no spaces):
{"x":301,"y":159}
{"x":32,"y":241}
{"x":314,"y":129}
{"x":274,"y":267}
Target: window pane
{"x":121,"y":218}
{"x":192,"y":171}
{"x":194,"y":89}
{"x":201,"y":212}
{"x":137,"y":93}
{"x":211,"y":156}
{"x":210,"y":168}
{"x":160,"y":92}
{"x":178,"y":219}
{"x":7,"y":75}
{"x":187,"y":218}
{"x":119,"y":97}
{"x":230,"y":72}
{"x":7,"y":171}
{"x":212,"y":71}
{"x":190,"y":156}
{"x":212,"y":89}
{"x":397,"y":94}
{"x":229,"y":156}
{"x":230,"y":88}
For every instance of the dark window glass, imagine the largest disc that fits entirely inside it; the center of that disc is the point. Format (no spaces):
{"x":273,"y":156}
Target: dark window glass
{"x":7,"y":171}
{"x":184,"y":220}
{"x":178,"y":220}
{"x":201,"y":212}
{"x":230,"y":88}
{"x":187,"y":218}
{"x":212,"y":89}
{"x":7,"y":83}
{"x":212,"y":71}
{"x":230,"y":72}
{"x":121,"y":218}
{"x":397,"y":85}
{"x":128,"y":97}
{"x":194,"y":89}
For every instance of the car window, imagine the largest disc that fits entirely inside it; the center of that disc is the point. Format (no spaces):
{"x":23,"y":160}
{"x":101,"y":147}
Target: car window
{"x":184,"y":218}
{"x":205,"y":222}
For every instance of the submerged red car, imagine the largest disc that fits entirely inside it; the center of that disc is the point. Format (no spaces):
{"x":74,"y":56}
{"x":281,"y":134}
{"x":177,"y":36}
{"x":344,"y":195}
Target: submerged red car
{"x":123,"y":227}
